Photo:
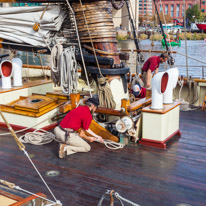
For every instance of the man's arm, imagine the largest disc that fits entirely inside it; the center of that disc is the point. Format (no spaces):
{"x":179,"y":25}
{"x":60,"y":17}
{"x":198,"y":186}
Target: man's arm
{"x":156,"y":71}
{"x":148,"y":78}
{"x":95,"y":135}
{"x":83,"y":135}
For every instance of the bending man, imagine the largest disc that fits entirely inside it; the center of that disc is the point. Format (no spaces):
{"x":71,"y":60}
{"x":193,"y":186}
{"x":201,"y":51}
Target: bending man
{"x":78,"y":118}
{"x":152,"y":65}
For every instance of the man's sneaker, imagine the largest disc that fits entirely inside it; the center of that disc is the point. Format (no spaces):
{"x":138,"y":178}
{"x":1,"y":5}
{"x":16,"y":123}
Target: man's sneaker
{"x":61,"y":150}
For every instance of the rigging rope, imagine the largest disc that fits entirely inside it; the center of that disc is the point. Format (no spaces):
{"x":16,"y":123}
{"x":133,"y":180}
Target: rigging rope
{"x":13,"y":186}
{"x":22,"y":148}
{"x":80,"y":47}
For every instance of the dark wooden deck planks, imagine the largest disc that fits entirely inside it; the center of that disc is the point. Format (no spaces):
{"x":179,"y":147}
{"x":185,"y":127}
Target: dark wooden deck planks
{"x":147,"y":176}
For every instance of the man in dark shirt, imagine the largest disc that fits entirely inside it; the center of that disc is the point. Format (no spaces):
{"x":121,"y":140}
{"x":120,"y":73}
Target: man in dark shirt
{"x":152,"y":65}
{"x":78,"y":118}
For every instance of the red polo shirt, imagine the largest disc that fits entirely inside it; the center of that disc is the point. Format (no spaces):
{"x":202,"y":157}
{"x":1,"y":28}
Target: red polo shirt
{"x":143,"y":93}
{"x":152,"y":63}
{"x":79,"y":117}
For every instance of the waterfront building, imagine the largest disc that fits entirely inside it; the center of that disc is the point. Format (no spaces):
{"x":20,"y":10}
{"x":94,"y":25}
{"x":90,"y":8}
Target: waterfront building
{"x":145,"y":7}
{"x":175,"y":8}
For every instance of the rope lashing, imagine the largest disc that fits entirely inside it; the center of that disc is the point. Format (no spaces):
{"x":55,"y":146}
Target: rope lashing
{"x":68,"y":71}
{"x":118,"y":6}
{"x":55,"y":63}
{"x":8,"y":184}
{"x":38,"y":137}
{"x":104,"y":93}
{"x":37,"y":25}
{"x":113,"y":194}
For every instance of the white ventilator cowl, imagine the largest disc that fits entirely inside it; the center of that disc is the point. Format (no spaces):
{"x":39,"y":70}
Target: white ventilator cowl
{"x":17,"y":72}
{"x":159,"y":85}
{"x":172,"y":83}
{"x":6,"y":72}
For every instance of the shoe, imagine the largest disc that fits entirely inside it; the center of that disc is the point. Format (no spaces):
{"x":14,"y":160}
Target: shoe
{"x":61,"y":150}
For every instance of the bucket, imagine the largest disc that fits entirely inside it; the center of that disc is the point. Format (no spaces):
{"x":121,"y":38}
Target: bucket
{"x":17,"y":72}
{"x":6,"y":72}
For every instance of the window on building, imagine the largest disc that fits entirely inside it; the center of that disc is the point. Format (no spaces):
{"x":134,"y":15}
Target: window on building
{"x":160,"y":8}
{"x":190,"y":6}
{"x":166,"y":9}
{"x":178,"y":10}
{"x":172,"y":10}
{"x":183,"y":10}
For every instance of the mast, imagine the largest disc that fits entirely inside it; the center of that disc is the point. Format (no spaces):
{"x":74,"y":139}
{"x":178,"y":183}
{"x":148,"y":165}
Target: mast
{"x":185,"y":37}
{"x":170,"y":59}
{"x":140,"y":57}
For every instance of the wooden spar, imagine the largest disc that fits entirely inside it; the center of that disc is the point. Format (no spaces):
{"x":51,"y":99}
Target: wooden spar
{"x":157,"y":51}
{"x":24,"y":47}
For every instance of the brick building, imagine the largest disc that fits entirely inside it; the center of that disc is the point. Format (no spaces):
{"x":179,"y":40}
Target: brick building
{"x":203,"y":6}
{"x":175,"y":8}
{"x":145,"y":7}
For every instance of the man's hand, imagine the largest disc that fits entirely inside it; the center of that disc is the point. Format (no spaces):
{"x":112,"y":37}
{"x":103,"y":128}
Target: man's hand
{"x":99,"y":139}
{"x":92,"y":139}
{"x":148,"y":85}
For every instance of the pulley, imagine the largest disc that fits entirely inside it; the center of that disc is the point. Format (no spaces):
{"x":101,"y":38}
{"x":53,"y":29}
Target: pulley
{"x":124,"y":124}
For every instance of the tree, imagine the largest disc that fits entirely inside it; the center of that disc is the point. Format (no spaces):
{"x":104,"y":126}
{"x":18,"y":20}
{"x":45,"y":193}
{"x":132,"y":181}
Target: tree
{"x":164,"y":18}
{"x":193,"y":13}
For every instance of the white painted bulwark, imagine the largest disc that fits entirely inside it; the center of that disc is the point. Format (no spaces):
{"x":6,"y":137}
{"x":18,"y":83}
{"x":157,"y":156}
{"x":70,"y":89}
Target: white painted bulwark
{"x":26,"y":121}
{"x":158,"y":127}
{"x":11,"y":95}
{"x":118,"y":93}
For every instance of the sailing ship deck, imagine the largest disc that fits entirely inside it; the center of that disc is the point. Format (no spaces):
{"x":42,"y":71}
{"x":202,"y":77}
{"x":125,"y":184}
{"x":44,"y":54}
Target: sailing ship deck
{"x":145,"y":175}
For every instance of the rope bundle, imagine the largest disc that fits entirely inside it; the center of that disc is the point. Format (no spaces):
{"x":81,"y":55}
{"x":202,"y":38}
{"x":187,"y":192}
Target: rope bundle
{"x":69,"y":73}
{"x":104,"y":93}
{"x":55,"y":63}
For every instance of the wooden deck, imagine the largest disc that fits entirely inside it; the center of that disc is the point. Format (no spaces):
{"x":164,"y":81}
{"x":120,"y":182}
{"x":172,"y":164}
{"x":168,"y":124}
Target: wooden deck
{"x":147,"y":176}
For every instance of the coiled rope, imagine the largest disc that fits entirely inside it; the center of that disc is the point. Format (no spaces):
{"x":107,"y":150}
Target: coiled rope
{"x":56,"y":53}
{"x":68,"y":71}
{"x":113,"y":194}
{"x":37,"y":137}
{"x":113,"y":145}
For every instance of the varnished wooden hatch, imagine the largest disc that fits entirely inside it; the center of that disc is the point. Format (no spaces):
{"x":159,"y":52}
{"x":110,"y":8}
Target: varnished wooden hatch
{"x":34,"y":105}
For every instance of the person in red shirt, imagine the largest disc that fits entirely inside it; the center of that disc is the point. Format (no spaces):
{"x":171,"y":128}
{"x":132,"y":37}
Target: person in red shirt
{"x":138,"y":91}
{"x":66,"y":131}
{"x":152,"y":65}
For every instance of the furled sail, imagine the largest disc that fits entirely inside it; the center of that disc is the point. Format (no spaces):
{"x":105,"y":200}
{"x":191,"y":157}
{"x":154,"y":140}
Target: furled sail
{"x":17,"y":23}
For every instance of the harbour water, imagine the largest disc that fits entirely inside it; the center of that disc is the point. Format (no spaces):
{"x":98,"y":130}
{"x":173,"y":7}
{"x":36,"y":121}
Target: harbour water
{"x":195,"y":49}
